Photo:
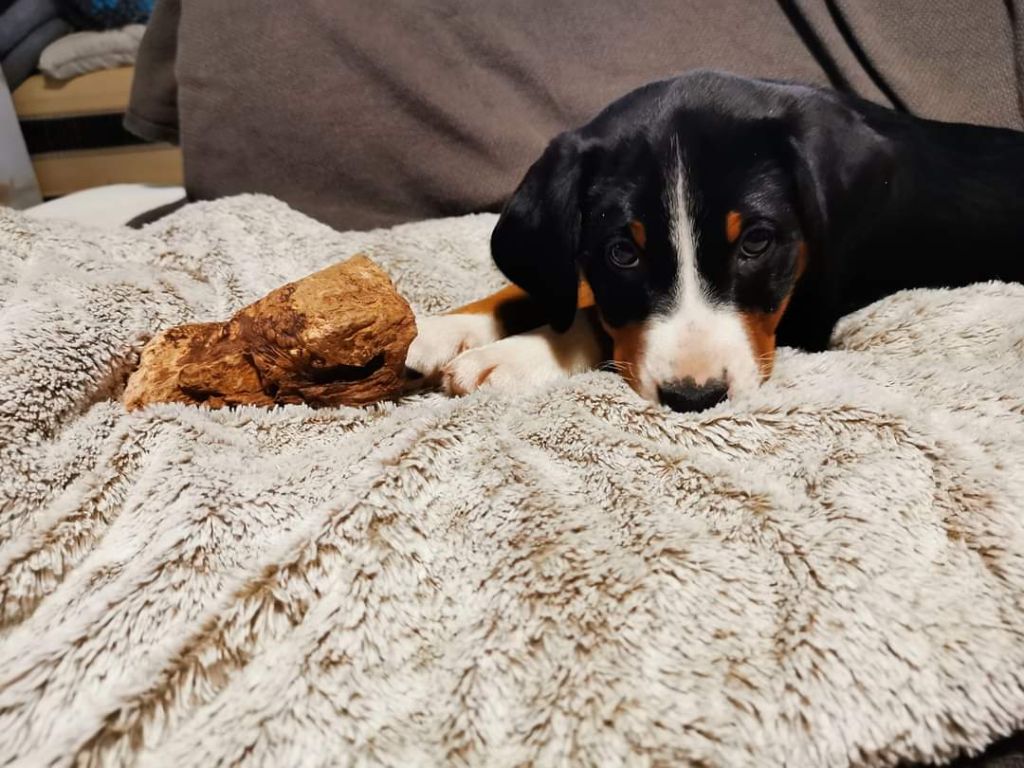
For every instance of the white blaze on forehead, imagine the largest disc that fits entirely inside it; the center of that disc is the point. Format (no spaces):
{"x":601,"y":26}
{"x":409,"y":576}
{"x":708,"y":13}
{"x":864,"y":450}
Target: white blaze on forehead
{"x":688,"y":288}
{"x":697,"y":337}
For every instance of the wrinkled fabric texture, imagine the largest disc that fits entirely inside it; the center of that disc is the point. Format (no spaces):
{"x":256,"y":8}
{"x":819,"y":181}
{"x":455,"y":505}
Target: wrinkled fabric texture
{"x":828,"y":572}
{"x":368,"y":114}
{"x":953,"y":60}
{"x":154,"y":86}
{"x":20,"y":62}
{"x":20,"y":18}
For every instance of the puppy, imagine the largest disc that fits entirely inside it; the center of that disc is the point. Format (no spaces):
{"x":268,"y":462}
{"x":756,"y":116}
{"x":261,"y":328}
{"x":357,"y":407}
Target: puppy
{"x":698,"y":222}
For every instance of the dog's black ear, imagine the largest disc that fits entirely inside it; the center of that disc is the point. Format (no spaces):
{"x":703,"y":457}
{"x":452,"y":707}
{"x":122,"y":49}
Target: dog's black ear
{"x":842,"y":168}
{"x":536,"y":240}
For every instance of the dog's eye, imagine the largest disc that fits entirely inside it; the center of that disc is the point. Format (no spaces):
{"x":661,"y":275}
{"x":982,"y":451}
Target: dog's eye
{"x":756,"y":241}
{"x":623,"y":255}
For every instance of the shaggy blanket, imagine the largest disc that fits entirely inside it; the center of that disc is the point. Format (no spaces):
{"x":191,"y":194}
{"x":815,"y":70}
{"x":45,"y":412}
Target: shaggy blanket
{"x":828,"y":572}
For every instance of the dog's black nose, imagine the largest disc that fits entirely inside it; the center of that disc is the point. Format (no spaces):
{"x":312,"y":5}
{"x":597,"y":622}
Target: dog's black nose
{"x":686,"y":395}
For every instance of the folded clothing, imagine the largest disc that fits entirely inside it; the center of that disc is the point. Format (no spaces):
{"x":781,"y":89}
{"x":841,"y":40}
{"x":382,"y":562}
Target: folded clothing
{"x":82,"y":52}
{"x":21,"y":18}
{"x":21,"y":61}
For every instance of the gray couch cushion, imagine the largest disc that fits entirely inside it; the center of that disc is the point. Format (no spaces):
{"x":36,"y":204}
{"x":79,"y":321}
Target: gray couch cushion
{"x":366,"y":114}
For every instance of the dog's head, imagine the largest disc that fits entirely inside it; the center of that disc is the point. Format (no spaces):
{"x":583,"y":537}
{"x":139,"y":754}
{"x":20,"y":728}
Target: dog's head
{"x":695,"y":208}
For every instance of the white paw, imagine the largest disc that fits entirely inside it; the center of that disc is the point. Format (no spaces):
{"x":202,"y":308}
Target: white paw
{"x":520,"y":363}
{"x":442,"y":338}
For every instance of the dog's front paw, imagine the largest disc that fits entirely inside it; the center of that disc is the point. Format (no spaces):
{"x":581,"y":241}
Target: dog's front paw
{"x":520,"y":363}
{"x":442,"y":338}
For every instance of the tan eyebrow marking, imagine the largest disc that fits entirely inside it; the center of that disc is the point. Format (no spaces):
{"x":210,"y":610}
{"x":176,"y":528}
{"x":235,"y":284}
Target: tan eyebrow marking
{"x":761,"y":326}
{"x":733,"y":225}
{"x":639,"y":232}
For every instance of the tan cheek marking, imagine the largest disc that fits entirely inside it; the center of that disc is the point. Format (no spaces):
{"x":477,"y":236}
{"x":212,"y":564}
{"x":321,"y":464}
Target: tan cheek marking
{"x":628,"y":350}
{"x":639,"y":232}
{"x":733,"y":226}
{"x":584,"y":296}
{"x":801,"y":260}
{"x":761,"y":326}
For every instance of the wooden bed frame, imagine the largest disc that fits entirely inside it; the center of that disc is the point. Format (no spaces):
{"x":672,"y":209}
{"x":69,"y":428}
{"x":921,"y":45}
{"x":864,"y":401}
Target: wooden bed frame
{"x":73,"y":132}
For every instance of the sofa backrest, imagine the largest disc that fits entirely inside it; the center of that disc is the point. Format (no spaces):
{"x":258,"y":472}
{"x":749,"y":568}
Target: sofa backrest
{"x":366,"y":114}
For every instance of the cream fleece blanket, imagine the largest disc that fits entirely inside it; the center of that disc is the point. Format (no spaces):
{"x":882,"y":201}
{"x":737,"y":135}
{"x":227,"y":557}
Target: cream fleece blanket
{"x":829,"y":572}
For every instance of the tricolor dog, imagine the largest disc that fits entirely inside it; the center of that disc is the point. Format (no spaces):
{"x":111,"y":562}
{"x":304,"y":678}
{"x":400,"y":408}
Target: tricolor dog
{"x":698,"y":222}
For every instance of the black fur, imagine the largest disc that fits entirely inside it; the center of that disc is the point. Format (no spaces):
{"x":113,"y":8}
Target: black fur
{"x":882,"y":200}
